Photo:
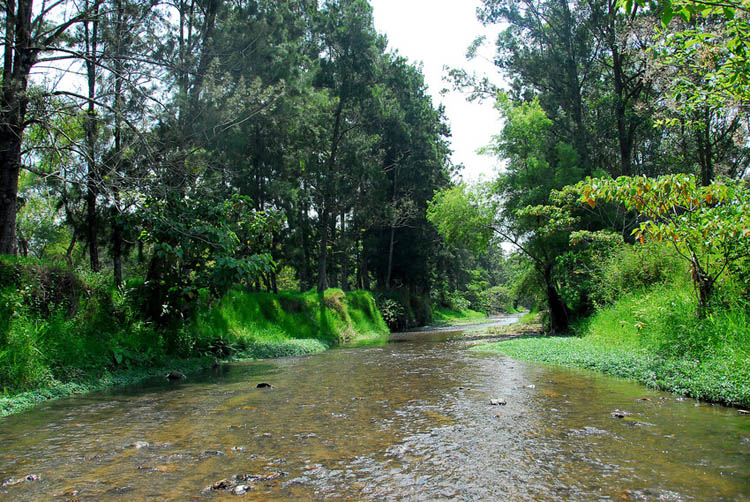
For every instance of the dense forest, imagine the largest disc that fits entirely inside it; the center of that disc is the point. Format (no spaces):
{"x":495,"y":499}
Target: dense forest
{"x":157,"y":158}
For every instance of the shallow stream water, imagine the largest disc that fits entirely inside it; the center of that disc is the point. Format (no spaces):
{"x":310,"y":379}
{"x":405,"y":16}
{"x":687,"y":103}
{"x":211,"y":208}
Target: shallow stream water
{"x":408,"y":420}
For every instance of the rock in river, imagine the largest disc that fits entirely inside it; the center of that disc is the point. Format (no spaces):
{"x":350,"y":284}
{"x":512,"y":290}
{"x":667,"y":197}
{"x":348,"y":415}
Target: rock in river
{"x":498,"y":402}
{"x":175,"y":375}
{"x":620,"y":414}
{"x":264,"y":385}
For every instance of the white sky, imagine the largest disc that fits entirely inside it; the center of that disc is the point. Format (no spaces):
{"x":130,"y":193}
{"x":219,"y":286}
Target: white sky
{"x":437,"y":33}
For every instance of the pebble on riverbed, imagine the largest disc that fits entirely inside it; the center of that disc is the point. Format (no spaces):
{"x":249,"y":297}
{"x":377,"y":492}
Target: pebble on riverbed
{"x":620,"y":414}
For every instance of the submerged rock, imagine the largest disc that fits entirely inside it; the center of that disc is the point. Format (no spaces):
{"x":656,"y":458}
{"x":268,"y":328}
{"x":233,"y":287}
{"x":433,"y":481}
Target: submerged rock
{"x":241,"y":489}
{"x":175,"y":375}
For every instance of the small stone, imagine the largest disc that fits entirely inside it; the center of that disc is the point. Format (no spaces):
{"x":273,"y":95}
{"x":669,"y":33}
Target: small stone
{"x":620,"y":414}
{"x":175,"y":375}
{"x":498,"y":402}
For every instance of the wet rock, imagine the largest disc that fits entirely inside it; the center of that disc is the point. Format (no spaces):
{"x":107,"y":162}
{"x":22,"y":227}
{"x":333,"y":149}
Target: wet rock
{"x":743,"y":412}
{"x":498,"y":402}
{"x":241,"y":489}
{"x":223,"y":484}
{"x":140,"y":444}
{"x":264,"y":385}
{"x":175,"y":375}
{"x":620,"y":414}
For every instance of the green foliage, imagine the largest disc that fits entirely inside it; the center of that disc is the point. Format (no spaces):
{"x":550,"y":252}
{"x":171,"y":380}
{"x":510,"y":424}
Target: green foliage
{"x":631,"y":269}
{"x":579,"y":269}
{"x":708,"y":226}
{"x":58,"y":325}
{"x":714,"y":42}
{"x":200,"y":244}
{"x":464,"y":215}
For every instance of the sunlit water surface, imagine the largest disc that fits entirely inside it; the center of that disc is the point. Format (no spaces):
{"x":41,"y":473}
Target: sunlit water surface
{"x":410,"y":420}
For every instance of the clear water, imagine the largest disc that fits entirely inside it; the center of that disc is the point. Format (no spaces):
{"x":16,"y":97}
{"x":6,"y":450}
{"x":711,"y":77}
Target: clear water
{"x":410,"y":420}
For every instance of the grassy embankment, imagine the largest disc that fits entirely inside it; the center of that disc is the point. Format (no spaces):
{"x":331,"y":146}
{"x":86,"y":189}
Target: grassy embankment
{"x":63,"y":333}
{"x":653,"y":336}
{"x":647,"y":329}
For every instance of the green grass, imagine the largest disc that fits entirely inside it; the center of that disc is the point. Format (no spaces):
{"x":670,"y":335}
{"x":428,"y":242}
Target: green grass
{"x":444,"y":315}
{"x":307,"y":321}
{"x":655,"y":338}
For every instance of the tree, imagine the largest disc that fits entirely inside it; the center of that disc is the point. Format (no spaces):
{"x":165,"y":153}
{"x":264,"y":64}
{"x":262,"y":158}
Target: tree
{"x":708,"y":226}
{"x":26,"y":37}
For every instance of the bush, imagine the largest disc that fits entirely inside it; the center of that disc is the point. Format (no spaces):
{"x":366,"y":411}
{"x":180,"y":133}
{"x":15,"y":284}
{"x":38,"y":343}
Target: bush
{"x":634,"y":268}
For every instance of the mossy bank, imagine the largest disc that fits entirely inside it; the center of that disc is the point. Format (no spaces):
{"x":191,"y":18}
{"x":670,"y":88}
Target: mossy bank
{"x":65,"y":332}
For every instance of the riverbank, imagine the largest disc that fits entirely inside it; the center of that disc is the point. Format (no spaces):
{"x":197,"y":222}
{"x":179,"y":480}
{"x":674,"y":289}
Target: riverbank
{"x":647,"y":337}
{"x":66,"y":334}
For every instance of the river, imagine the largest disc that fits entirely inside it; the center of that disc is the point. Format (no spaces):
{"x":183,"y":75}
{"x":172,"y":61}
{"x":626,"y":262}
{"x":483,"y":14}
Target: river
{"x":407,"y":420}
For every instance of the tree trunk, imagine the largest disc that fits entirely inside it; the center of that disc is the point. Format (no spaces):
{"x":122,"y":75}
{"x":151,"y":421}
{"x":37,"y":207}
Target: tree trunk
{"x":323,"y":251}
{"x":558,"y":312}
{"x":92,"y":190}
{"x":19,"y":57}
{"x":117,"y":249}
{"x":10,"y":162}
{"x":69,"y":251}
{"x":344,"y":256}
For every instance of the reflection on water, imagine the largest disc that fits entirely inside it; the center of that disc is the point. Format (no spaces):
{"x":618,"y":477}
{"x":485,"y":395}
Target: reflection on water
{"x":404,"y":421}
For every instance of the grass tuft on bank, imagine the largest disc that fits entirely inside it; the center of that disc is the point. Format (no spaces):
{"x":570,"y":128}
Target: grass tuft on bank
{"x":653,"y":336}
